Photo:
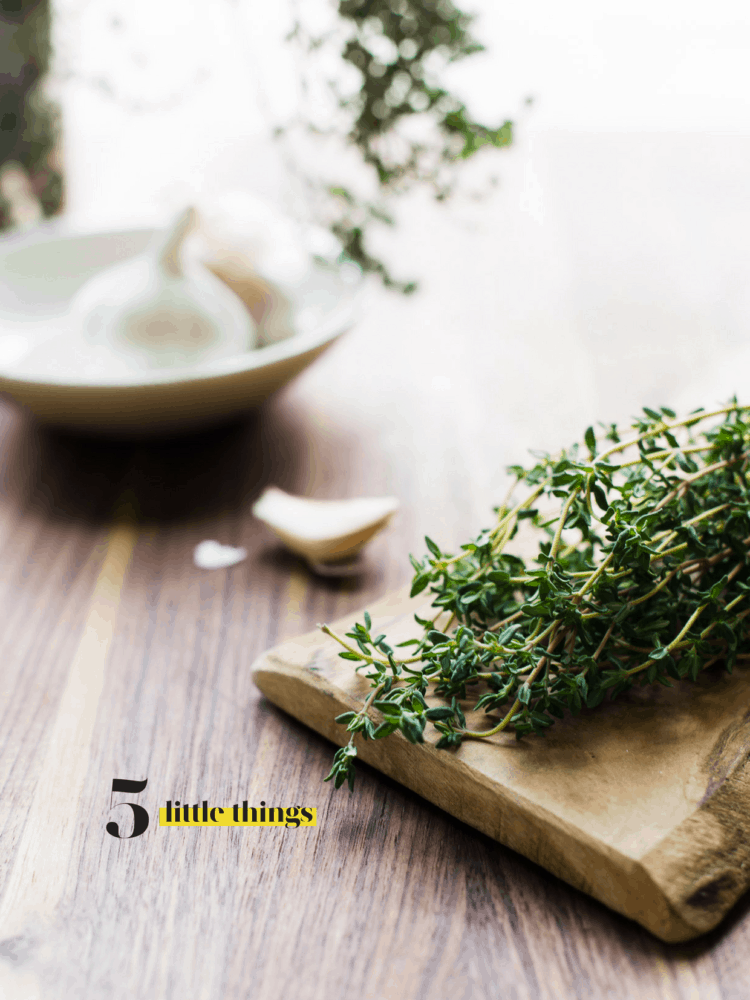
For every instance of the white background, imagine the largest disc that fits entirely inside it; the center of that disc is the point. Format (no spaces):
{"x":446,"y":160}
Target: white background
{"x":155,"y":92}
{"x":614,"y":253}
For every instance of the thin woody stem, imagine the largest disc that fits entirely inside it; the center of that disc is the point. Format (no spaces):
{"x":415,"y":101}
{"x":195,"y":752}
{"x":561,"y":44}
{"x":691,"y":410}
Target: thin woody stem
{"x":527,"y":683}
{"x":365,"y":657}
{"x":660,"y":428}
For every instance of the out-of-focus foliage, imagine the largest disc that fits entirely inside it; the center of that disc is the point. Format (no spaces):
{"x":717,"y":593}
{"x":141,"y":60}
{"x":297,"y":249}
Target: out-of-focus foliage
{"x":397,"y":84}
{"x":394,"y":112}
{"x":28,"y":121}
{"x":408,"y":128}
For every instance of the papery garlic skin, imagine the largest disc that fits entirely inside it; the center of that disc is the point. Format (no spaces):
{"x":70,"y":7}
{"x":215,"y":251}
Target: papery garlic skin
{"x":213,"y":555}
{"x":163,"y":309}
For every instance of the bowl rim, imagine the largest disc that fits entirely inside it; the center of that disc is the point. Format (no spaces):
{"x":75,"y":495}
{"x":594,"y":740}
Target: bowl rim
{"x":336,"y":323}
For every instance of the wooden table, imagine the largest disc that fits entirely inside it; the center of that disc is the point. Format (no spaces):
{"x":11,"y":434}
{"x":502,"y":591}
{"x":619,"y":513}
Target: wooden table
{"x":120,"y":659}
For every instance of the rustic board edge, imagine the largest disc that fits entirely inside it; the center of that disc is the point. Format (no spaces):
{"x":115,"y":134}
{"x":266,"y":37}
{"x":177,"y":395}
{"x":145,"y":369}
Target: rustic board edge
{"x":681,"y":889}
{"x":704,"y":864}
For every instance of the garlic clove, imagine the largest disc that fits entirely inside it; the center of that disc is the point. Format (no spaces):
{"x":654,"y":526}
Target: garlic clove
{"x":259,"y":252}
{"x":323,"y":531}
{"x":272,"y":243}
{"x":267,"y":304}
{"x":162,"y":309}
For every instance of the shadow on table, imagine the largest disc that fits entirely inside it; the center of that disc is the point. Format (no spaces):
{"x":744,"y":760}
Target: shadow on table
{"x":196,"y":476}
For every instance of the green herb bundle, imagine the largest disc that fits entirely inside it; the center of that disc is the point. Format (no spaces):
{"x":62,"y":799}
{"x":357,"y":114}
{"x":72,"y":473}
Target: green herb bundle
{"x":642,"y":576}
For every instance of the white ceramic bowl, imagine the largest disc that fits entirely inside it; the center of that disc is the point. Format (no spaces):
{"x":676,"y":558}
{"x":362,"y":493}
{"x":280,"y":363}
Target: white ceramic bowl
{"x":41,"y":270}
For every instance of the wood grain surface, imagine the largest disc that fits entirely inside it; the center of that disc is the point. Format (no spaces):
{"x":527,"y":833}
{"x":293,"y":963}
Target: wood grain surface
{"x":120,"y":659}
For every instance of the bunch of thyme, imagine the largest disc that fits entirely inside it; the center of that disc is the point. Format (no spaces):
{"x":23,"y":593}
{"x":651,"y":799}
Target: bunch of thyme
{"x":653,"y":585}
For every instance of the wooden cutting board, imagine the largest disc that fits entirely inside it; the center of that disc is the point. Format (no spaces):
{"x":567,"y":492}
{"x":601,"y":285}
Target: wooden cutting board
{"x":644,"y":802}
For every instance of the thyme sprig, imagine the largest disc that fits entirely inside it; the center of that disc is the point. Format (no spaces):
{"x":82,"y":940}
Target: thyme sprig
{"x":641,"y":577}
{"x":408,"y":128}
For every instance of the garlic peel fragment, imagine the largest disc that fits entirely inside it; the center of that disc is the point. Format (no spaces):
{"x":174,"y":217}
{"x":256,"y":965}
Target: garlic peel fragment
{"x":323,"y":531}
{"x":213,"y":555}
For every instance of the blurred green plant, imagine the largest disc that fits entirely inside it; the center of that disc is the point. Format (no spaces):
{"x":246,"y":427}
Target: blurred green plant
{"x":28,"y":120}
{"x":406,"y":127}
{"x":399,"y":48}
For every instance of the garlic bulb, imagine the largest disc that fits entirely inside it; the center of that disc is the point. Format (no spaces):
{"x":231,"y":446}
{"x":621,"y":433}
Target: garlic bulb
{"x":327,"y":532}
{"x":161,"y":309}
